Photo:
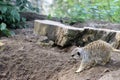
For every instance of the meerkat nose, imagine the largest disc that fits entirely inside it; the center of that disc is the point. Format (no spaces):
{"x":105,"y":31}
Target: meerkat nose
{"x":72,"y":55}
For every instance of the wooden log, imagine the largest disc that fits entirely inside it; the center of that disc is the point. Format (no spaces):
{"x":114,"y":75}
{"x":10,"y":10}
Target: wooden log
{"x":64,"y":35}
{"x":61,"y":34}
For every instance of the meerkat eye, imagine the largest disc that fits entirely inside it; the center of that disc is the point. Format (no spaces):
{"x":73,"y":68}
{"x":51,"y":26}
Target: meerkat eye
{"x":78,"y":53}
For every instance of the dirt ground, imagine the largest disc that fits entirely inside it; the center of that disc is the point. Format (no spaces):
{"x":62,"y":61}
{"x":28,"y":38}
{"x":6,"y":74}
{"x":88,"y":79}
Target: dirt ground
{"x":24,"y":59}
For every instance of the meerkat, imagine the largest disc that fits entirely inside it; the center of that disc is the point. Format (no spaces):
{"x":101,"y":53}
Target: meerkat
{"x":96,"y":52}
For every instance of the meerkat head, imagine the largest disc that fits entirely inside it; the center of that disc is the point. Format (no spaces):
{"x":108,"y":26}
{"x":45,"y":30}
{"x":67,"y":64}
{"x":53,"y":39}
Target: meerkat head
{"x":76,"y":53}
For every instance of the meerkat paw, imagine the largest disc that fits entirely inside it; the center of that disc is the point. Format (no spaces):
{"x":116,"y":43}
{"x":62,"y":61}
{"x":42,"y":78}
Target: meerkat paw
{"x":79,"y":70}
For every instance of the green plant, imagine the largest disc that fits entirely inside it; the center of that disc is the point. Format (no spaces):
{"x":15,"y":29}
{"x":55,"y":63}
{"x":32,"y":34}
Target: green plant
{"x":4,"y":30}
{"x":25,"y":5}
{"x":10,"y":17}
{"x":81,"y":10}
{"x":70,"y":9}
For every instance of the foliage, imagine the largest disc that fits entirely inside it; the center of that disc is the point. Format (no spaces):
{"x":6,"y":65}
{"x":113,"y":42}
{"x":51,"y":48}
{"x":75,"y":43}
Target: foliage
{"x":4,"y":31}
{"x":80,"y":10}
{"x":10,"y":17}
{"x":24,"y":5}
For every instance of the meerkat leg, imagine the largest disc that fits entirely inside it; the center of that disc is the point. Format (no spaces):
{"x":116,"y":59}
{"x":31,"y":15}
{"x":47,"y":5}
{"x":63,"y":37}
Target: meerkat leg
{"x":84,"y":65}
{"x":106,"y":60}
{"x":93,"y":63}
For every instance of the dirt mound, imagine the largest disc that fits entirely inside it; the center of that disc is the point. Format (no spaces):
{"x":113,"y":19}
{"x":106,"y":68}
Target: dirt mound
{"x":24,"y":59}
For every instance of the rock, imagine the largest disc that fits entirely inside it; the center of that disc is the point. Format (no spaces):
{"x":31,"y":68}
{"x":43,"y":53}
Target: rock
{"x":49,"y":43}
{"x":1,"y":44}
{"x":42,"y":38}
{"x":64,"y":35}
{"x":114,"y":75}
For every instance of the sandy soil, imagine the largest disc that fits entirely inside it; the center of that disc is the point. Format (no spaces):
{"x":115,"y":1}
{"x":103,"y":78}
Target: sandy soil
{"x":24,"y":59}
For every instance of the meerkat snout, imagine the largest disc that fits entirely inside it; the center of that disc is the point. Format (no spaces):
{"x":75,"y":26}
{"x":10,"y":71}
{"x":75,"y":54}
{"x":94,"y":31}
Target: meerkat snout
{"x":72,"y":55}
{"x":77,"y":53}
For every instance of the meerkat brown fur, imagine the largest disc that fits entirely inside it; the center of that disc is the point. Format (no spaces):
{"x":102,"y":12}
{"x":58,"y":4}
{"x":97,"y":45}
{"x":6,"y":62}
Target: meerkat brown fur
{"x":96,"y":52}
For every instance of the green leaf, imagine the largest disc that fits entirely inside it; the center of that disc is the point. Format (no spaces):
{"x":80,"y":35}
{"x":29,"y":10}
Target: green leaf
{"x":49,"y":16}
{"x":2,"y":26}
{"x":15,"y":15}
{"x":0,"y":17}
{"x":23,"y":19}
{"x":8,"y":32}
{"x":3,"y":9}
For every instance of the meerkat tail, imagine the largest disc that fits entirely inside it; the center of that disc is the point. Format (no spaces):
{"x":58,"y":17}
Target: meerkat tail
{"x":116,"y":50}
